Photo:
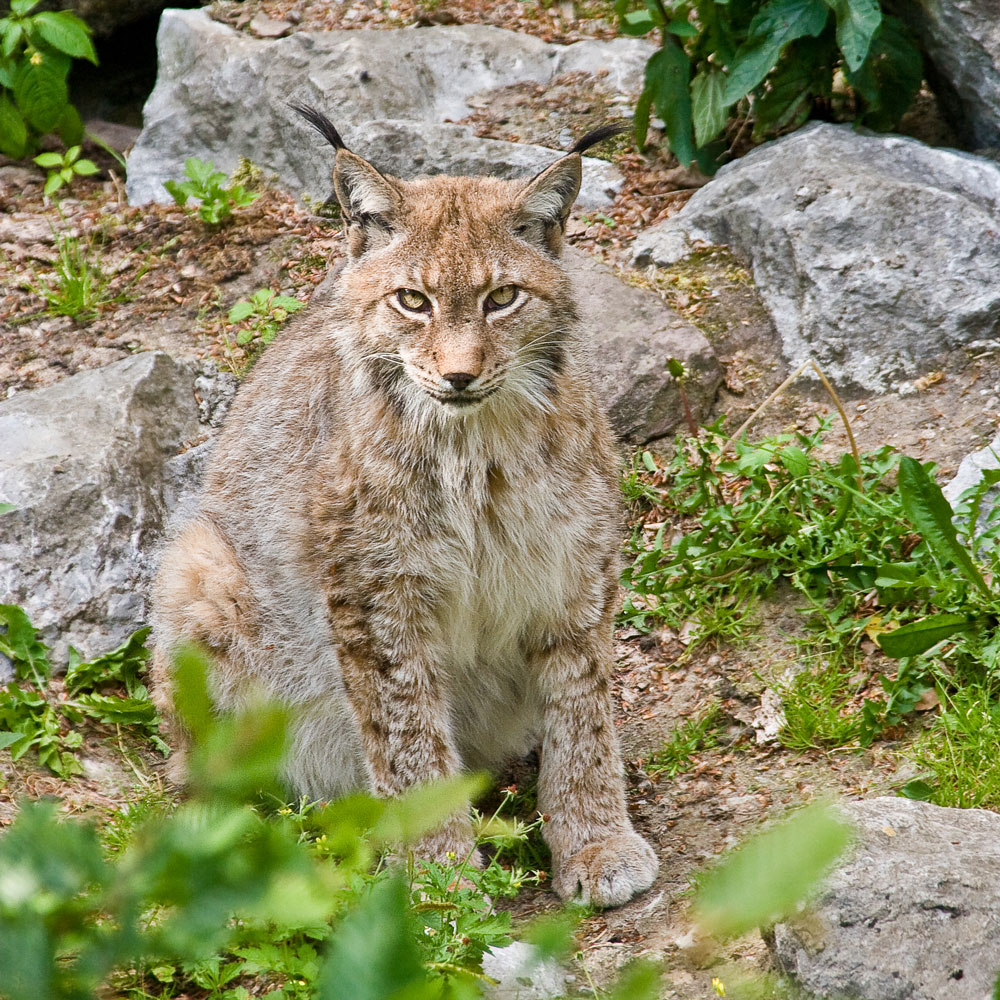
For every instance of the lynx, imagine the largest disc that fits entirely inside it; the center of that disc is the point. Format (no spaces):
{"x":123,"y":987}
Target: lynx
{"x":409,"y":529}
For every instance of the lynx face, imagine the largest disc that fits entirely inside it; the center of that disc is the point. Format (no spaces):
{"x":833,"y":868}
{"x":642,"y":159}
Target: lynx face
{"x":450,"y":338}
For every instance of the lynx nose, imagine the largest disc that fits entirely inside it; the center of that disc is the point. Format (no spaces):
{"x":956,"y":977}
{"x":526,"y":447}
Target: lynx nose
{"x":459,"y":380}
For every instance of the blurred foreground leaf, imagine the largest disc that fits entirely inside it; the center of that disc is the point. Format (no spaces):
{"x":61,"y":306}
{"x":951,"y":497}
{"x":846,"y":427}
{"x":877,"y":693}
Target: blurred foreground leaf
{"x":768,"y":876}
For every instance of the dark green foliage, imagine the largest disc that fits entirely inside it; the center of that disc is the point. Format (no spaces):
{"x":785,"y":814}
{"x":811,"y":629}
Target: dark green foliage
{"x":775,"y":61}
{"x":36,"y":53}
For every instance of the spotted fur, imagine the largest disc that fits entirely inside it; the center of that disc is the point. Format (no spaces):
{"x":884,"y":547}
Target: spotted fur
{"x":423,"y":567}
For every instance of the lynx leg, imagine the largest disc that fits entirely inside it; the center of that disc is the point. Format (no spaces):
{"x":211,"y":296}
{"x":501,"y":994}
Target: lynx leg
{"x":201,"y":596}
{"x":596,"y":854}
{"x":397,"y":692}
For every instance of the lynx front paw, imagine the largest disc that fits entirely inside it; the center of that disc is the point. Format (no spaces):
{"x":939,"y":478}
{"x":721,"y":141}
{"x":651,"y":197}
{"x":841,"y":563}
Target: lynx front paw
{"x":608,"y":872}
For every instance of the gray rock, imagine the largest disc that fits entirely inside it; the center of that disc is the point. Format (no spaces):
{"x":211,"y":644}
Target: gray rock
{"x":408,"y":149}
{"x":961,"y":39}
{"x":83,"y":462}
{"x":633,"y":334}
{"x":913,"y":915}
{"x":221,"y":95}
{"x":872,"y":253}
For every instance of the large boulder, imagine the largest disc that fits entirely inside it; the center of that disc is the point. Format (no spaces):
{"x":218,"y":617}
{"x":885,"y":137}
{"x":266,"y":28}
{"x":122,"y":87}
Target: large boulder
{"x":872,"y":253}
{"x":915,"y":913}
{"x":86,"y":463}
{"x":222,"y":95}
{"x":632,"y":334}
{"x":961,"y":39}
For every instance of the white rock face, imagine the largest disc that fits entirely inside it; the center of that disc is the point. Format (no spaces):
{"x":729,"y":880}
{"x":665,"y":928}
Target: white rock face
{"x":221,"y":94}
{"x":872,"y":253}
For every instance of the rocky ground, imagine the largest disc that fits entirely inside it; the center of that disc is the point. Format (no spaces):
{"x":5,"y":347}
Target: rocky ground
{"x":156,"y":277}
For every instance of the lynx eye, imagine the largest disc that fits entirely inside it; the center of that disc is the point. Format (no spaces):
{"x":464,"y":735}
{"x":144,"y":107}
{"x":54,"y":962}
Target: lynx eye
{"x":413,"y":300}
{"x":500,"y":298}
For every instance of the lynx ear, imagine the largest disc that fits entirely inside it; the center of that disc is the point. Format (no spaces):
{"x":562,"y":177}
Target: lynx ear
{"x":368,"y":199}
{"x":545,"y":201}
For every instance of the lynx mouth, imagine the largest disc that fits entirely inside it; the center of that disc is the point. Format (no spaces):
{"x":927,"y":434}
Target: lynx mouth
{"x":460,"y":400}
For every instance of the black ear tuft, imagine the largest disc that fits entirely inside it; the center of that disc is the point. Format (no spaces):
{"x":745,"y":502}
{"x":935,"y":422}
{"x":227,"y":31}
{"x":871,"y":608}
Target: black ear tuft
{"x":320,"y":122}
{"x":596,"y":136}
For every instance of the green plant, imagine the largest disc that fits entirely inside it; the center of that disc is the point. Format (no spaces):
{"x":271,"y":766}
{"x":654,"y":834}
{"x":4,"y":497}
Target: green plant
{"x":819,"y":701}
{"x":732,"y":528}
{"x":38,"y":713}
{"x":230,"y":898}
{"x":261,"y":315}
{"x":776,"y":61}
{"x":64,"y":167}
{"x":676,"y":754}
{"x":206,"y":184}
{"x":36,"y":53}
{"x":76,"y":286}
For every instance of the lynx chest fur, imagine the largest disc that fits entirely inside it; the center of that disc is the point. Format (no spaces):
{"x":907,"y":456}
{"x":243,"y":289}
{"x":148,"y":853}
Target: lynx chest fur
{"x":409,"y":529}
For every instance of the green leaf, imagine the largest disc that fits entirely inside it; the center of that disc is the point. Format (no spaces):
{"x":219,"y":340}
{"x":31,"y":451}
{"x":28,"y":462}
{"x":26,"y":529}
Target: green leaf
{"x":20,"y":643}
{"x":204,"y":174}
{"x":708,"y":105}
{"x":407,"y":818}
{"x":775,"y":25}
{"x":23,"y":7}
{"x":287,"y":303}
{"x":374,"y":955}
{"x":7,"y":508}
{"x":85,"y":167}
{"x":932,"y":516}
{"x":890,"y":76}
{"x":11,"y":38}
{"x":241,"y":197}
{"x":40,"y":90}
{"x":768,"y":876}
{"x":918,"y":637}
{"x":918,"y":790}
{"x":682,"y":28}
{"x":668,"y":77}
{"x":13,"y":131}
{"x":49,"y":160}
{"x":177,"y":191}
{"x":639,"y":980}
{"x":857,"y":22}
{"x":240,"y":311}
{"x":52,"y":184}
{"x":244,"y":337}
{"x":64,"y":31}
{"x":8,"y":739}
{"x":121,"y":665}
{"x":637,"y":22}
{"x":804,"y":72}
